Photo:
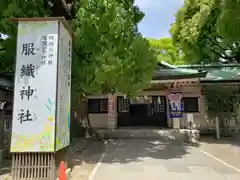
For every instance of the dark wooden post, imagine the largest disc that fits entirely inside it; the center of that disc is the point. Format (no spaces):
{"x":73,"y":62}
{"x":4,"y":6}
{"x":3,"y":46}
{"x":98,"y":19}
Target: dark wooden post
{"x":2,"y":104}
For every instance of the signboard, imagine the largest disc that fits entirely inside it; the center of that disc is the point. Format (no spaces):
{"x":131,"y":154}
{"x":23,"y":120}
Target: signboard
{"x":141,"y":100}
{"x":64,"y":89}
{"x":37,"y":88}
{"x":175,"y":99}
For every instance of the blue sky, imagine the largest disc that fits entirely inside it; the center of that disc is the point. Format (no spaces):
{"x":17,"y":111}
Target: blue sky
{"x":159,"y":15}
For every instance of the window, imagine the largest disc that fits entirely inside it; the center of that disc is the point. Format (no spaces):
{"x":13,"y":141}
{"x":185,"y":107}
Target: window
{"x":97,"y":106}
{"x":158,"y":104}
{"x":190,"y":104}
{"x":123,"y":104}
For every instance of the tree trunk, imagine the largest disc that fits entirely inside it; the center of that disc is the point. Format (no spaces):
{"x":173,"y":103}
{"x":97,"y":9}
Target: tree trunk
{"x":83,"y":116}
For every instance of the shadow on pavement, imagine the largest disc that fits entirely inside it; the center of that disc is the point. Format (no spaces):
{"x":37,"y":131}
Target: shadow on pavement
{"x":83,"y":158}
{"x":82,"y":151}
{"x":85,"y":152}
{"x":134,"y":150}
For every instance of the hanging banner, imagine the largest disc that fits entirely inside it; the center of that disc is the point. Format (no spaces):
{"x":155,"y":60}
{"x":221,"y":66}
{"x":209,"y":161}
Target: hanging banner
{"x":42,"y":87}
{"x":175,"y":101}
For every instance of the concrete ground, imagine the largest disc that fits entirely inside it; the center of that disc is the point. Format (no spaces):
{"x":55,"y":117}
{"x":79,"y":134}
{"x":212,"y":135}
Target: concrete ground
{"x":85,"y":159}
{"x":226,"y":149}
{"x":5,"y":169}
{"x":143,"y":159}
{"x":83,"y":156}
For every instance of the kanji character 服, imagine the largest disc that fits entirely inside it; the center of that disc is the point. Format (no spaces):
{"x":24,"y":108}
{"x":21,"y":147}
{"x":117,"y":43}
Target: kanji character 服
{"x":28,"y":49}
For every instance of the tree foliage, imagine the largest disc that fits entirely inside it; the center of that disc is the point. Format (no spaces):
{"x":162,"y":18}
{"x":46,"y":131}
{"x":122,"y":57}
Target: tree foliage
{"x":229,"y":21}
{"x":221,"y":99}
{"x":206,"y":31}
{"x":166,"y":51}
{"x":109,"y":54}
{"x":114,"y":56}
{"x":12,"y":9}
{"x":222,"y":102}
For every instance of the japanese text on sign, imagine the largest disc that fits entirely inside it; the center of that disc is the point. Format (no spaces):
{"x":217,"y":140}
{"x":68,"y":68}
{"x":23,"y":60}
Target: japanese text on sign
{"x":47,"y":43}
{"x":36,"y":122}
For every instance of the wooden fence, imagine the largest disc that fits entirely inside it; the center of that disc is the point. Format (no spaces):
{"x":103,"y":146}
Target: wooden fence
{"x":33,"y":166}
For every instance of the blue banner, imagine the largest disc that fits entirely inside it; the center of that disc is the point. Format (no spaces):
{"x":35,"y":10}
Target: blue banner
{"x":175,"y":101}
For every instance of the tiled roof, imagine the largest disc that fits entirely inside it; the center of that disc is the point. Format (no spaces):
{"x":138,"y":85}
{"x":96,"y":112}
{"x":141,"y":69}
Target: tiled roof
{"x":165,"y":71}
{"x":218,"y":72}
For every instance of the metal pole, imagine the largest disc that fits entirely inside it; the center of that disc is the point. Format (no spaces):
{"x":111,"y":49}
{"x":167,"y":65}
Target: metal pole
{"x":217,"y":128}
{"x":190,"y":128}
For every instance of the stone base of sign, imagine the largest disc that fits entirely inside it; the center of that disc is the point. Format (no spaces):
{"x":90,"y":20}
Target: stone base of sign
{"x":38,"y":166}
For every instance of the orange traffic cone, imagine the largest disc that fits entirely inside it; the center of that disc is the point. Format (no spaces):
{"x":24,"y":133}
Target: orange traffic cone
{"x":62,"y":174}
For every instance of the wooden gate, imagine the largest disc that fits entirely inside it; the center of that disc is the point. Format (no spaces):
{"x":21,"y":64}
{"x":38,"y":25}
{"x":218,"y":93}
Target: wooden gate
{"x":159,"y":114}
{"x":123,"y":111}
{"x":33,"y":166}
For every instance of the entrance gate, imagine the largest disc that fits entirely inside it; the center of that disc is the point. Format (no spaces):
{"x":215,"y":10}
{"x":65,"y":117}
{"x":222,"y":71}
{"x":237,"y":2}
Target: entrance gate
{"x":123,"y":111}
{"x":152,"y":114}
{"x":159,"y":111}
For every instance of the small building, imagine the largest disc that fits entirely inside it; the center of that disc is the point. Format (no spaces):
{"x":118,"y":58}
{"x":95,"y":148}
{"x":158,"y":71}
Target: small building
{"x":218,"y":77}
{"x":174,"y":96}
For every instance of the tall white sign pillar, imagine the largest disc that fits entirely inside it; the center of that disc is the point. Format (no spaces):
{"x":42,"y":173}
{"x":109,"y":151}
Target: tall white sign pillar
{"x":41,"y":111}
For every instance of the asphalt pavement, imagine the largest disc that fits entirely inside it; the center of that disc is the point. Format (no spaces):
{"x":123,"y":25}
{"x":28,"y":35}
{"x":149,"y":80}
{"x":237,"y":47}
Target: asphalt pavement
{"x":141,"y":159}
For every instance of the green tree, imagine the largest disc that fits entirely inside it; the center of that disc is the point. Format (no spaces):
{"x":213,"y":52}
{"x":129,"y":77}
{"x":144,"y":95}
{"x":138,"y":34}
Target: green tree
{"x":107,"y":43}
{"x":200,"y":31}
{"x":207,"y":31}
{"x":229,"y":20}
{"x":166,"y":51}
{"x":109,"y":55}
{"x":223,"y":103}
{"x":11,"y":9}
